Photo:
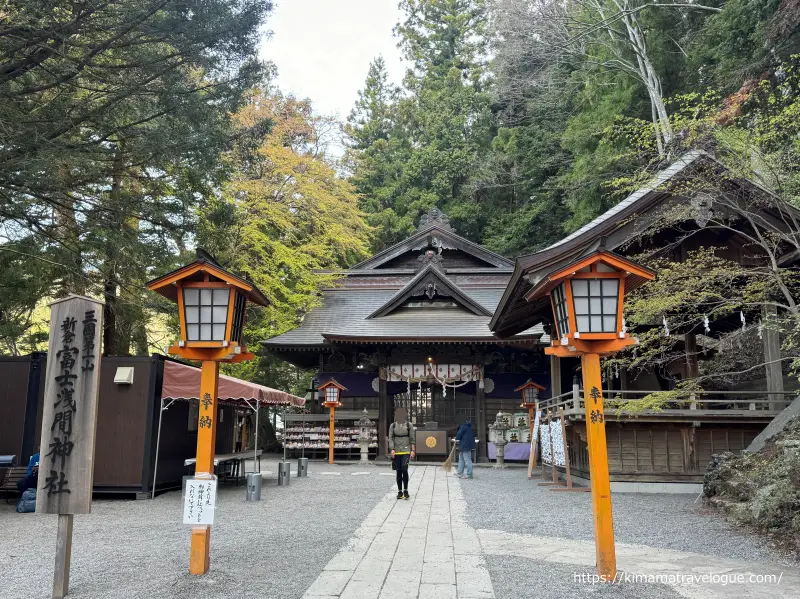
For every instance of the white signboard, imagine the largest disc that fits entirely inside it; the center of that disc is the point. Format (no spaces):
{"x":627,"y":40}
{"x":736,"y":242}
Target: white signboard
{"x":199,"y":499}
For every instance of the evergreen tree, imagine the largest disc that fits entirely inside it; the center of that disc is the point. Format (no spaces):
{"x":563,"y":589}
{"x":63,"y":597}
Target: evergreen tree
{"x":440,"y":126}
{"x":114,"y":114}
{"x":374,"y":151}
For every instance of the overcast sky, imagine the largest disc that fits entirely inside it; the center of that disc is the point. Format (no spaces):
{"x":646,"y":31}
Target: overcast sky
{"x":323,"y":48}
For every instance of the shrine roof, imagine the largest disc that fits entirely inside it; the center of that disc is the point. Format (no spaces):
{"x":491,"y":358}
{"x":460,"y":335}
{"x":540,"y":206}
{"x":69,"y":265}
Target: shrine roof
{"x":668,"y":189}
{"x":432,"y":286}
{"x":344,"y":316}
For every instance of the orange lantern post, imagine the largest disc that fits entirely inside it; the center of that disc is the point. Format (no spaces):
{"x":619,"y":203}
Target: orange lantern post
{"x":211,"y":308}
{"x":330,"y":394}
{"x":587,"y":300}
{"x":530,"y":399}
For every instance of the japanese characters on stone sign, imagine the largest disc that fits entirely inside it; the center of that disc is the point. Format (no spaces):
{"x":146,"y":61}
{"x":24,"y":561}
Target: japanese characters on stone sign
{"x":69,"y":415}
{"x":199,"y":500}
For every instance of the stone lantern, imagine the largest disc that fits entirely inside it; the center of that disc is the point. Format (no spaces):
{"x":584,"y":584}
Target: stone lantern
{"x":365,"y":427}
{"x":497,"y":435}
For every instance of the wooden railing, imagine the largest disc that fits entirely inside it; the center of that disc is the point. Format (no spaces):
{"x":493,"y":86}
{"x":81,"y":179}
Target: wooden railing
{"x":715,"y":401}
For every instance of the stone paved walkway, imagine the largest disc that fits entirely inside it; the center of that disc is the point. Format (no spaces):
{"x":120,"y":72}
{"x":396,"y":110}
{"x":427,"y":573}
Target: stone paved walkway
{"x":406,"y":549}
{"x":424,"y":548}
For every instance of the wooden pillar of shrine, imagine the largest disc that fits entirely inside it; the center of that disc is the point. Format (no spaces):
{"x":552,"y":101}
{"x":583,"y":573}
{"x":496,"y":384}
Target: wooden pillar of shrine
{"x":383,"y":414}
{"x":555,"y":376}
{"x":481,"y":429}
{"x":772,"y":358}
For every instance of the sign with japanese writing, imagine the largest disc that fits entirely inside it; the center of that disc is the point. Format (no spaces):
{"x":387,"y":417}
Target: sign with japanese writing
{"x":69,"y":415}
{"x":199,"y":499}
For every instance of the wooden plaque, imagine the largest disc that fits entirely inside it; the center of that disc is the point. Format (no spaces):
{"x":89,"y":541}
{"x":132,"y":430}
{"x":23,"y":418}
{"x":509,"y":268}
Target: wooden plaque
{"x":69,"y":418}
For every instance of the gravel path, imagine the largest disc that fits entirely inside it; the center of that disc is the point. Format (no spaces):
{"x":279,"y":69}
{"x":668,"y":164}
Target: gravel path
{"x":506,"y":500}
{"x":274,"y":548}
{"x":520,"y":578}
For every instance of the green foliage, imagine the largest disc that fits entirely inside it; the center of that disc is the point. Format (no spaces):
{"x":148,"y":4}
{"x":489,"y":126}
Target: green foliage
{"x":416,"y":150}
{"x":26,"y":275}
{"x":683,"y":396}
{"x":284,"y":215}
{"x":114,"y":114}
{"x":740,"y":42}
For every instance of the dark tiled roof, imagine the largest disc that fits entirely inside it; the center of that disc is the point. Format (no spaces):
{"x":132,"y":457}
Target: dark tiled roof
{"x":344,"y":314}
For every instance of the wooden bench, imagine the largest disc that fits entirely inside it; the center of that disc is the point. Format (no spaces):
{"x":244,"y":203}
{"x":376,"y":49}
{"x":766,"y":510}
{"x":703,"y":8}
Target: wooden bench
{"x":10,"y":479}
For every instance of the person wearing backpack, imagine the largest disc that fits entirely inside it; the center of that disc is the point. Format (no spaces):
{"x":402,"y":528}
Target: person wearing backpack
{"x":466,"y":443}
{"x":402,"y":444}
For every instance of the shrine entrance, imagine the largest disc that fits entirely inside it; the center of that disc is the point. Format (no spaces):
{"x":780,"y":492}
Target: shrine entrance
{"x":424,"y":402}
{"x":409,"y":327}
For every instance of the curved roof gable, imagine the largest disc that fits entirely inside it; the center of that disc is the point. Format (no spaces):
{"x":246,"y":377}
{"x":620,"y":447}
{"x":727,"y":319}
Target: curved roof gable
{"x":430,"y":280}
{"x":434,"y":228}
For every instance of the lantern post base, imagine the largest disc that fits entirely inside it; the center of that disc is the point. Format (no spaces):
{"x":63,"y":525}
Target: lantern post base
{"x":200,"y":555}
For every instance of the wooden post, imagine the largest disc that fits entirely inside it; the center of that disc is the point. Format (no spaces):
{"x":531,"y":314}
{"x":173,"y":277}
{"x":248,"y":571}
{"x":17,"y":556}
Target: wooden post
{"x":552,"y":454}
{"x":530,"y":423}
{"x":482,"y":454}
{"x":576,"y":394}
{"x":598,"y":467}
{"x":534,"y":445}
{"x":692,"y":366}
{"x":69,"y":422}
{"x":555,"y":376}
{"x":772,"y":357}
{"x":331,"y":435}
{"x":383,"y":414}
{"x":566,"y":448}
{"x":199,"y":556}
{"x":63,"y":556}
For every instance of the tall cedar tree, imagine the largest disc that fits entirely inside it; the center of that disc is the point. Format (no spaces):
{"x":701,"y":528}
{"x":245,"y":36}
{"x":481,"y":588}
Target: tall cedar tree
{"x":439,"y":127}
{"x":113,"y":116}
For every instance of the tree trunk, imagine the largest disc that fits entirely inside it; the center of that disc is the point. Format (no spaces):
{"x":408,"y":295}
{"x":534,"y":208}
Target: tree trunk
{"x":110,"y":283}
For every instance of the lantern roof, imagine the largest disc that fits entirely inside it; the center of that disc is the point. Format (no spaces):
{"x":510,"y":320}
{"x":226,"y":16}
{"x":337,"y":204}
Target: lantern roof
{"x":528,"y":384}
{"x":331,"y":383}
{"x":205,"y":267}
{"x":635,"y":274}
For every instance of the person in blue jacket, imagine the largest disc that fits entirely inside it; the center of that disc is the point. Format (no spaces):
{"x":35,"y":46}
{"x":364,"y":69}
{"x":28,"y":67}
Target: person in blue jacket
{"x":31,"y":476}
{"x":466,"y":443}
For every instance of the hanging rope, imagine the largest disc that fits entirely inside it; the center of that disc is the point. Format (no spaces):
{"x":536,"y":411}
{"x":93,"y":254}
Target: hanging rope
{"x":386,"y":374}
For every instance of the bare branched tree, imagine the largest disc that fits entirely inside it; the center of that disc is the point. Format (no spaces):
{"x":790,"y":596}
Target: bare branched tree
{"x":604,"y":33}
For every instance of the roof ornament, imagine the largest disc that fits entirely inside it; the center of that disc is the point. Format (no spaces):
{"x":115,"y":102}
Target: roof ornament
{"x":702,"y":208}
{"x":435,"y":217}
{"x":430,"y":257}
{"x":431,"y":291}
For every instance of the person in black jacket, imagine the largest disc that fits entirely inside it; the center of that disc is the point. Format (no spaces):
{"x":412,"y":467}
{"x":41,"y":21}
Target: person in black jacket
{"x":466,"y":443}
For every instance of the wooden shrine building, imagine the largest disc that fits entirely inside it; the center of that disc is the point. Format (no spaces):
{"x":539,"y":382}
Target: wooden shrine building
{"x":442,"y":327}
{"x":409,"y":327}
{"x":693,"y":203}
